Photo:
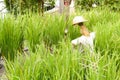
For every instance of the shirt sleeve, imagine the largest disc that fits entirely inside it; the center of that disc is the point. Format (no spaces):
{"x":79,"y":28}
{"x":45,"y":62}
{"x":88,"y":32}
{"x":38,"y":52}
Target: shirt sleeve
{"x":77,"y":41}
{"x":93,"y":35}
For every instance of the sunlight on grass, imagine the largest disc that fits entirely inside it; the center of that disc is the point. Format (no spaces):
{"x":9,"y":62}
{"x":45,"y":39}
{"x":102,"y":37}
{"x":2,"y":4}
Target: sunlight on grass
{"x":51,"y":56}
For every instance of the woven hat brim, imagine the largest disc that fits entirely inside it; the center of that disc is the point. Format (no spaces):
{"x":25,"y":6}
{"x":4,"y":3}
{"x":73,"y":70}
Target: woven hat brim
{"x":79,"y":22}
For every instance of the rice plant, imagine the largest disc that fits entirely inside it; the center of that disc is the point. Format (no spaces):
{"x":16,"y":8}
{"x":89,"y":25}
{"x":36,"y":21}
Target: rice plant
{"x":63,"y":62}
{"x":11,"y":37}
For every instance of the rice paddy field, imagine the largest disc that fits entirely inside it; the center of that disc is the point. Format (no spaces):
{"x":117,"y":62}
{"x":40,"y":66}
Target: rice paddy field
{"x":51,"y":56}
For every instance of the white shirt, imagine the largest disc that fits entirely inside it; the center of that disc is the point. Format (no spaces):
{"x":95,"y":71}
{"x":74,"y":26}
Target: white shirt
{"x":85,"y":42}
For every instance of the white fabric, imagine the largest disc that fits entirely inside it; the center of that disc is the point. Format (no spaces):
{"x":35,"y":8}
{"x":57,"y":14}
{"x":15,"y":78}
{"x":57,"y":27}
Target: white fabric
{"x":85,"y":42}
{"x":72,"y":4}
{"x":2,"y":6}
{"x":3,"y":10}
{"x":57,"y":2}
{"x":57,"y":7}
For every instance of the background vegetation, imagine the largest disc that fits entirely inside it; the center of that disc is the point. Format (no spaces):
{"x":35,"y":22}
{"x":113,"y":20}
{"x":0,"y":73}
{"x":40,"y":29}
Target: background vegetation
{"x":24,"y":6}
{"x":21,"y":6}
{"x":51,"y":55}
{"x":87,"y":4}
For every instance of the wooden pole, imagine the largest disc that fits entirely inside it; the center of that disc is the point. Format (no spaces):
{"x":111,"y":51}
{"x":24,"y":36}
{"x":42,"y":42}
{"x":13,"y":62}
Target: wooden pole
{"x":61,"y":7}
{"x":41,"y":6}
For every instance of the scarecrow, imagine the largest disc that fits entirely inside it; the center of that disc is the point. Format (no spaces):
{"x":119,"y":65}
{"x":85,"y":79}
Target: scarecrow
{"x":85,"y":42}
{"x":60,"y":5}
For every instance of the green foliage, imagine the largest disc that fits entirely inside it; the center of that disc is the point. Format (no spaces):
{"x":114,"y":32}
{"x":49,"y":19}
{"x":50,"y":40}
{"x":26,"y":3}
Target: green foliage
{"x":34,"y":30}
{"x":11,"y":37}
{"x":62,"y":62}
{"x":87,"y":4}
{"x":22,"y":6}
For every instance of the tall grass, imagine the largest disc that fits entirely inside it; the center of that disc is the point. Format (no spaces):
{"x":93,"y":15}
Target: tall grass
{"x":63,"y":62}
{"x":33,"y":30}
{"x":11,"y":37}
{"x":106,"y":24}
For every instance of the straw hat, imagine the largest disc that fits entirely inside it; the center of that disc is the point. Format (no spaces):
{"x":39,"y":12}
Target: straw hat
{"x":78,"y":19}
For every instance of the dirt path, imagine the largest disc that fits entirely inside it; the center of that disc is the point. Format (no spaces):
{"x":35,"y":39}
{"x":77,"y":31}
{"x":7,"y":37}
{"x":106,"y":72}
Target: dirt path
{"x":2,"y":70}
